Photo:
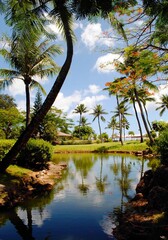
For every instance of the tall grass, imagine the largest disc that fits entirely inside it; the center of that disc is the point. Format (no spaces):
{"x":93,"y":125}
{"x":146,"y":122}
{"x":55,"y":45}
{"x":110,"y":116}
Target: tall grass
{"x":107,"y":147}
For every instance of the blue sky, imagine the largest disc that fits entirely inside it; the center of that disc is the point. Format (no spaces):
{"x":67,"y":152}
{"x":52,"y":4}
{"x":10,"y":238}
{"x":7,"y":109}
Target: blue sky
{"x":86,"y":78}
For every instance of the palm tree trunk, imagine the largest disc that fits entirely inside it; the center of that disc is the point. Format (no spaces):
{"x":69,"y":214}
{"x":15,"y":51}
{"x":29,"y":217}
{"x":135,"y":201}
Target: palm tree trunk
{"x":27,"y":104}
{"x":80,"y":121}
{"x":120,"y":120}
{"x":143,"y":117}
{"x":147,"y":117}
{"x":26,"y":135}
{"x":138,"y":121}
{"x":100,"y":129}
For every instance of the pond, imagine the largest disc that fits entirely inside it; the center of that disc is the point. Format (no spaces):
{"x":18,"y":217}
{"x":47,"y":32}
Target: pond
{"x":84,"y":204}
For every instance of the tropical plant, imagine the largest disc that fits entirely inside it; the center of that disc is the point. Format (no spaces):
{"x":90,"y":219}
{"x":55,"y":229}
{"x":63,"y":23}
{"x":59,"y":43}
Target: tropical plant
{"x":62,"y":11}
{"x":137,"y":67}
{"x":80,"y":109}
{"x":131,"y":133}
{"x":122,"y":111}
{"x":113,"y":124}
{"x":98,"y":113}
{"x":163,"y":104}
{"x":28,"y":60}
{"x":11,"y":120}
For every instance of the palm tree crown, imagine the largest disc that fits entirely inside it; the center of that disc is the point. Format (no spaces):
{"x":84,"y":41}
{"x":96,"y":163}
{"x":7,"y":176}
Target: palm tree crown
{"x":163,"y":104}
{"x":98,"y":113}
{"x":28,"y":59}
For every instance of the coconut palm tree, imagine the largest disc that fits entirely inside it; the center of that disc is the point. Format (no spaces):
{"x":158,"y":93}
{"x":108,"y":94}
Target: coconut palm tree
{"x":64,"y":19}
{"x":84,"y":122}
{"x":80,"y":109}
{"x":163,"y":104}
{"x":130,"y":97}
{"x":113,"y":124}
{"x":98,"y":111}
{"x":28,"y":60}
{"x":62,"y":11}
{"x":122,"y":111}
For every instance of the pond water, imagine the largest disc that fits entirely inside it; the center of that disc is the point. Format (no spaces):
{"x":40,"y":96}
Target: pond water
{"x":84,"y":204}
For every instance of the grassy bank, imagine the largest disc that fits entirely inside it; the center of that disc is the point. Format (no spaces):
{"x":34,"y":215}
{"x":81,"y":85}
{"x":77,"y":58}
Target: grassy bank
{"x":102,"y":147}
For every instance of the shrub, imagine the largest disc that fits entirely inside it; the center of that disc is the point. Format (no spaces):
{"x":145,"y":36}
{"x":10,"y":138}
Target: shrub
{"x":76,"y":142}
{"x":5,"y":146}
{"x":35,"y":155}
{"x":162,"y":146}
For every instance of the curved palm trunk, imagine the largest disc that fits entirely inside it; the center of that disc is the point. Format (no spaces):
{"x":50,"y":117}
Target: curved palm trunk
{"x":26,"y":135}
{"x":100,"y":129}
{"x":120,"y":121}
{"x":27,"y":103}
{"x":138,"y":121}
{"x":143,"y":117}
{"x":147,"y":117}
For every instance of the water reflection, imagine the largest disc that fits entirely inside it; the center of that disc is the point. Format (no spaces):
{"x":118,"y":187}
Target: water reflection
{"x":101,"y":181}
{"x":85,"y":204}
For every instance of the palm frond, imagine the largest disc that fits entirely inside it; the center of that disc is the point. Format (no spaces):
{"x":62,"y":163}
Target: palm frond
{"x":35,"y":84}
{"x":5,"y":84}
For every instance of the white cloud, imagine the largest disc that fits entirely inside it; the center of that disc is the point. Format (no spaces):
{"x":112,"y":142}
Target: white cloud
{"x":93,"y":89}
{"x":92,"y":36}
{"x":65,"y":103}
{"x":21,"y":105}
{"x":105,"y":64}
{"x":17,"y":88}
{"x":89,"y":102}
{"x":77,"y":25}
{"x":89,"y":97}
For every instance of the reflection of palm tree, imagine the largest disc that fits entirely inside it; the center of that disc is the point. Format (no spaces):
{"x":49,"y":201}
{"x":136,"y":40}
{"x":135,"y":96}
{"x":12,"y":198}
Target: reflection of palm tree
{"x":83,"y":165}
{"x":101,"y":182}
{"x":21,"y":228}
{"x":83,"y":187}
{"x":123,"y":181}
{"x":115,"y":168}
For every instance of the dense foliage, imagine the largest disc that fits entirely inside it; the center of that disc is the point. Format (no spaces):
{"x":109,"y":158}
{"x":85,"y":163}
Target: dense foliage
{"x":5,"y":145}
{"x":35,"y":155}
{"x":162,"y":145}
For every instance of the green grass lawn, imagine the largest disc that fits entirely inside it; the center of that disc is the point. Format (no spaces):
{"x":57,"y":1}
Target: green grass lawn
{"x":109,"y":146}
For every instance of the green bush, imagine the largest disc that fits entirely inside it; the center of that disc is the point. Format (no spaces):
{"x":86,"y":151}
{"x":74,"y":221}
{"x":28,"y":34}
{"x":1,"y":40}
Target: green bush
{"x":5,"y":146}
{"x":162,"y":146}
{"x":35,"y":155}
{"x":76,"y":142}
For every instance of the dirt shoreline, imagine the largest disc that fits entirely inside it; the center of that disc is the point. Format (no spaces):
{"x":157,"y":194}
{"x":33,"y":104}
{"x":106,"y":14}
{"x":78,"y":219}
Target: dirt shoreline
{"x":146,"y":215}
{"x":30,"y":185}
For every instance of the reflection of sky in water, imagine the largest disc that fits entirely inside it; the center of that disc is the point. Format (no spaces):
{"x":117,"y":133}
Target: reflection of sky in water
{"x":82,"y":207}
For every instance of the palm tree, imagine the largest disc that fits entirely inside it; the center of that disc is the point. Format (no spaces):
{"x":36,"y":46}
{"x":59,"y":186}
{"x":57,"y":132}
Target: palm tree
{"x":80,"y":109}
{"x":163,"y":104}
{"x":28,"y":60}
{"x":97,"y":113}
{"x":130,"y":96}
{"x":65,"y":22}
{"x":84,"y":122}
{"x":63,"y":14}
{"x":145,"y":97}
{"x":121,"y":112}
{"x":131,"y":133}
{"x":113,"y":124}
